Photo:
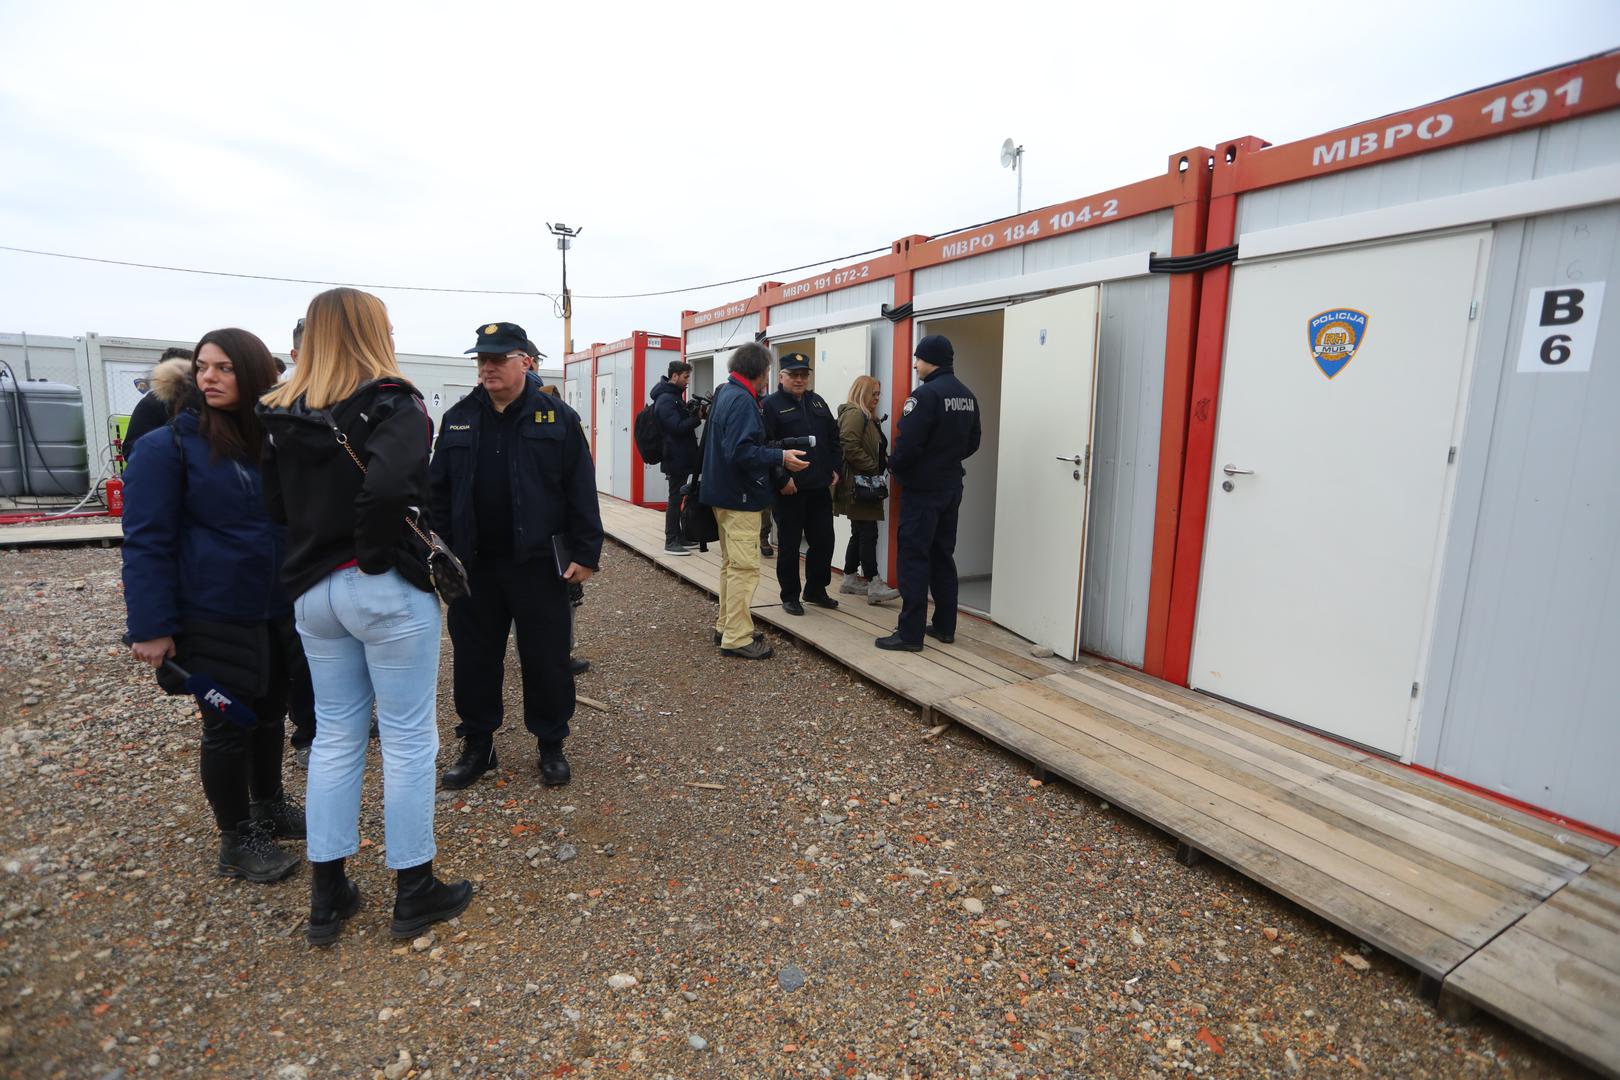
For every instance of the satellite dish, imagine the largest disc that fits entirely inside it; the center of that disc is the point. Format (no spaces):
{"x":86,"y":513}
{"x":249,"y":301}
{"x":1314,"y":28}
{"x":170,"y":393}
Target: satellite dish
{"x":1009,"y":154}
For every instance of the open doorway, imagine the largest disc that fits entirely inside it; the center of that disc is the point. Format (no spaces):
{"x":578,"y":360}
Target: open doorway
{"x":977,"y":339}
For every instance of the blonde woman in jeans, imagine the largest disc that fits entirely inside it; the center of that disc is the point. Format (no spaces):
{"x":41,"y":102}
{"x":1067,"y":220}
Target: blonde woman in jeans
{"x":364,"y":601}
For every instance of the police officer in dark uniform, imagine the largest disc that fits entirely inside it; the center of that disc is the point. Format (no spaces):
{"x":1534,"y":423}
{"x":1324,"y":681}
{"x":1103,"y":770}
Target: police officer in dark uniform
{"x":804,"y":499}
{"x":514,"y":495}
{"x":939,"y":429}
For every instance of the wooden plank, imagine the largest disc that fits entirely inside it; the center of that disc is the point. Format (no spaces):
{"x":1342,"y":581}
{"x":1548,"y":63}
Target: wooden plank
{"x":980,"y":671}
{"x":1573,"y":922}
{"x":108,"y":530}
{"x":1015,"y":663}
{"x":1195,"y":817}
{"x":1550,"y":834}
{"x":1297,"y":788}
{"x":1553,"y":994}
{"x":1448,"y":906}
{"x":1479,"y":853}
{"x":916,"y":680}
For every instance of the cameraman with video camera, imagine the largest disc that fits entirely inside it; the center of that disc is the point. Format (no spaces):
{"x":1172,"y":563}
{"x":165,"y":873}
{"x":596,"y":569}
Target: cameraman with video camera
{"x":804,"y":501}
{"x":678,"y":421}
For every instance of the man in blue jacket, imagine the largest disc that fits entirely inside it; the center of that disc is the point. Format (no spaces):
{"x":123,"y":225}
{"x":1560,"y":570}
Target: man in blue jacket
{"x":678,"y":423}
{"x":514,"y":494}
{"x":737,"y":483}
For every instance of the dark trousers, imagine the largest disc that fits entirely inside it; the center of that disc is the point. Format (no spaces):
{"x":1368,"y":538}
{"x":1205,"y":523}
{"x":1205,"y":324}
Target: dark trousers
{"x":239,"y":763}
{"x":807,"y":515}
{"x":301,"y":704}
{"x":672,"y":512}
{"x":860,"y":556}
{"x":927,"y":561}
{"x":533,"y":598}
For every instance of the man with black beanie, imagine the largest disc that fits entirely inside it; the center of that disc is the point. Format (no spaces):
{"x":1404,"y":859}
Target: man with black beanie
{"x":939,"y":429}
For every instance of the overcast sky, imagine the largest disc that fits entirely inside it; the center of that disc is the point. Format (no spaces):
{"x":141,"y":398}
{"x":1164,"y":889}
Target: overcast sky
{"x":429,"y":144}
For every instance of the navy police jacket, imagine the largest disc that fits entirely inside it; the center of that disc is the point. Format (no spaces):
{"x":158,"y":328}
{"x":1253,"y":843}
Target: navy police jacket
{"x":939,"y":429}
{"x":553,"y":479}
{"x":736,"y":462}
{"x":198,"y":542}
{"x":787,"y":417}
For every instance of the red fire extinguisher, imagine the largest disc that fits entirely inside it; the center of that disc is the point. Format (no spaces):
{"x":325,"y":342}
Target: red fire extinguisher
{"x":115,"y":496}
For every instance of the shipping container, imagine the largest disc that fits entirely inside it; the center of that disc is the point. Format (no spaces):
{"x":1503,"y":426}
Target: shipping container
{"x":1073,"y":326}
{"x":1401,"y":519}
{"x":612,"y":380}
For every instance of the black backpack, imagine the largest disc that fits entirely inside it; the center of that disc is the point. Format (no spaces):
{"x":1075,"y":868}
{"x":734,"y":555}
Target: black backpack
{"x":649,"y":436}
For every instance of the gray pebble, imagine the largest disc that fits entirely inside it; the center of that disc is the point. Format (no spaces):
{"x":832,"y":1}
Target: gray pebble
{"x":790,"y":978}
{"x":698,"y":1042}
{"x":565,"y":852}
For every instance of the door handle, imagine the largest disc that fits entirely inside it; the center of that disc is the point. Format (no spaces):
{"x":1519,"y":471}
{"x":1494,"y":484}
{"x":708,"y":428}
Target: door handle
{"x":1074,"y":459}
{"x":1233,"y":470}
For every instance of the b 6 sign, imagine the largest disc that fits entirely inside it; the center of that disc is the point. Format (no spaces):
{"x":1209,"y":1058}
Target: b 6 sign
{"x":1561,"y":328}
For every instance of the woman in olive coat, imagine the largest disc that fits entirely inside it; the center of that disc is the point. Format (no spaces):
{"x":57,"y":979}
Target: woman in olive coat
{"x":866,"y":453}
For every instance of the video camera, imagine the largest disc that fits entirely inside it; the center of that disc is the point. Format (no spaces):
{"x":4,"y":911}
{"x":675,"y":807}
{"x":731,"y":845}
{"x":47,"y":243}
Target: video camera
{"x":697,"y":405}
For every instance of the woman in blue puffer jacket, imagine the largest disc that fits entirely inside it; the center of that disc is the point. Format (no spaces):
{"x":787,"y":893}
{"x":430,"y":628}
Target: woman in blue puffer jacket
{"x":202,"y":563}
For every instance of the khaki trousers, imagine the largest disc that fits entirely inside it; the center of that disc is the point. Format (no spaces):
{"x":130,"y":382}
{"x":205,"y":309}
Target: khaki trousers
{"x":739,"y":574}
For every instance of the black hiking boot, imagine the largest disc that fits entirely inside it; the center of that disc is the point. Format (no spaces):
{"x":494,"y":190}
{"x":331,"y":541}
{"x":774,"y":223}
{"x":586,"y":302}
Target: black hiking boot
{"x":285,"y":816}
{"x":422,"y":900}
{"x":251,"y":853}
{"x":332,"y":899}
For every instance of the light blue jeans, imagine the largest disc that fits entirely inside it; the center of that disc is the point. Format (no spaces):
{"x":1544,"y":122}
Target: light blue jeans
{"x":371,"y":638}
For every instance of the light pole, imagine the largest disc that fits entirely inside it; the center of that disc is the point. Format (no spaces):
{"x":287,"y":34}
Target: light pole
{"x":565,"y":240}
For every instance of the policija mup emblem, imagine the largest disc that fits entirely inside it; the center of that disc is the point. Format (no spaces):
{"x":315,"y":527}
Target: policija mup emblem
{"x":1334,"y":337}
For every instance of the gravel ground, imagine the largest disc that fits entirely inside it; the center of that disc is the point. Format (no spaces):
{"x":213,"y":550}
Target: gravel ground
{"x":759,"y":870}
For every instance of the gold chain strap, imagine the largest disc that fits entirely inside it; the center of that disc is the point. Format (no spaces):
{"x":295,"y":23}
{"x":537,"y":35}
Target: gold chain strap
{"x":343,"y":441}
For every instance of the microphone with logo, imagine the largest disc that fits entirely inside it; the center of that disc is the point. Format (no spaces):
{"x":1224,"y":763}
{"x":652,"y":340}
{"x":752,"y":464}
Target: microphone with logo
{"x":215,"y":695}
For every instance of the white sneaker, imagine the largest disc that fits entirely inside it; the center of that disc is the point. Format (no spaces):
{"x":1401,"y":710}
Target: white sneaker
{"x":877,"y":592}
{"x":853,"y":585}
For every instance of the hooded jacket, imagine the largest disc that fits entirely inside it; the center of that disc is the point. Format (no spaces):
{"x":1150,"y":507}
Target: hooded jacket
{"x":679,"y":429}
{"x":335,"y":514}
{"x":172,"y":387}
{"x":198,"y":542}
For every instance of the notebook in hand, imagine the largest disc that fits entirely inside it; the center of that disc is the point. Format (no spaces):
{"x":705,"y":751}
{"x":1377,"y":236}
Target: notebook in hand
{"x":559,"y":550}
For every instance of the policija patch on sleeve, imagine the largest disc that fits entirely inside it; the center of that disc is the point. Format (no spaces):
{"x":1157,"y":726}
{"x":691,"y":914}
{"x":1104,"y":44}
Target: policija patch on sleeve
{"x":911,"y":403}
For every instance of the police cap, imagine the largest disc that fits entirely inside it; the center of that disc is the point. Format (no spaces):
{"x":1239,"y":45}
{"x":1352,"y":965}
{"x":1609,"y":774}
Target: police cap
{"x":500,"y":337}
{"x":795,"y":361}
{"x":936,"y":349}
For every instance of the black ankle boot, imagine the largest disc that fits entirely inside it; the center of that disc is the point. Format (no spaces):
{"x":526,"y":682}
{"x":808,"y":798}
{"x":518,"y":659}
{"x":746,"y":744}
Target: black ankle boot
{"x":554,"y":770}
{"x":250,"y":853}
{"x":477,"y":758}
{"x":423,"y":900}
{"x":332,"y":899}
{"x":285,"y":816}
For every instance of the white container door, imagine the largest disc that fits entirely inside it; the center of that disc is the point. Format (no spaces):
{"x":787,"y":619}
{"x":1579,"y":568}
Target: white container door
{"x":1048,"y":394}
{"x":605,"y":435}
{"x":842,"y":356}
{"x":1339,"y":407}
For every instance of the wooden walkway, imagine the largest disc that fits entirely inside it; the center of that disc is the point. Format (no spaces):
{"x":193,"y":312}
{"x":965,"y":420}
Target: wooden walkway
{"x":103,"y":531}
{"x":1451,"y":883}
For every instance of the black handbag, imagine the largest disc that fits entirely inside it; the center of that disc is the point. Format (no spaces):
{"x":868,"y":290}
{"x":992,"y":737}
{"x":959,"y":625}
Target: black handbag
{"x":871,"y":489}
{"x":445,"y":572}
